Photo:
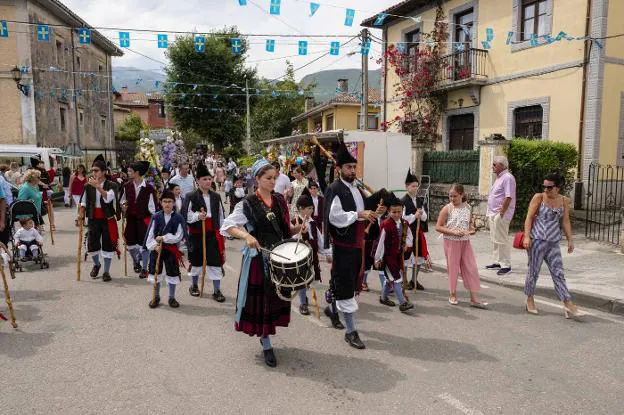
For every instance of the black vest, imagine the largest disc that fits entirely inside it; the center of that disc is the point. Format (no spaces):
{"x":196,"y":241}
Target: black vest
{"x":91,"y":193}
{"x":263,"y":230}
{"x":341,"y":191}
{"x":411,"y":209}
{"x":197,"y":198}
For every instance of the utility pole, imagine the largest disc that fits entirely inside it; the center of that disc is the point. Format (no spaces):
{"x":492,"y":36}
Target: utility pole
{"x":248,"y":141}
{"x":364,"y":110}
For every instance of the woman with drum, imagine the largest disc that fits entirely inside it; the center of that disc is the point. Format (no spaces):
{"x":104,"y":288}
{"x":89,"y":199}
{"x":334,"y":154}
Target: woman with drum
{"x":262,"y":220}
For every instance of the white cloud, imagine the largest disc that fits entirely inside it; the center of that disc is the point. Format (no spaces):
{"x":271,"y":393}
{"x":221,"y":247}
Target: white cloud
{"x":194,"y":15}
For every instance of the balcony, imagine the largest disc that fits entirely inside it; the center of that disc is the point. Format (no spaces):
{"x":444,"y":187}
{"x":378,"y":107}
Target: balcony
{"x":464,"y":68}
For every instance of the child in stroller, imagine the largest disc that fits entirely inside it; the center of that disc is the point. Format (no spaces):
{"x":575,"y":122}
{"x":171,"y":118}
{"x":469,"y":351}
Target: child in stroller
{"x":28,"y":240}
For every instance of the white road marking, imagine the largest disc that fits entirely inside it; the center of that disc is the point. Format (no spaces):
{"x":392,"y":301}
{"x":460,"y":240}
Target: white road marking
{"x":229,"y":268}
{"x":312,"y":317}
{"x":485,"y":286}
{"x":455,"y":403}
{"x":597,"y":314}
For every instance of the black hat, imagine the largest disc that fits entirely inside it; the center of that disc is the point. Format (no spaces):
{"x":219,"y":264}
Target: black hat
{"x":140,"y":167}
{"x":392,"y":200}
{"x":100,"y":163}
{"x":166,"y":170}
{"x":312,"y":183}
{"x":235,"y":178}
{"x":304,"y":201}
{"x":374,"y":200}
{"x":410,"y":177}
{"x":172,"y":186}
{"x":202,"y":171}
{"x":34,"y":161}
{"x":167,"y":194}
{"x":343,"y":156}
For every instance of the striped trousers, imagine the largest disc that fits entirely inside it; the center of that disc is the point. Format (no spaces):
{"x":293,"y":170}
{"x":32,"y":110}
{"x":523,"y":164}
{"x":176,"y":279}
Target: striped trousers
{"x":549,"y":252}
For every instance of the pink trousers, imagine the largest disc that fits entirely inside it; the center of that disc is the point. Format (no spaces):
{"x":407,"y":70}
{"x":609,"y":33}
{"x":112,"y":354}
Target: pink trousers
{"x":460,"y":259}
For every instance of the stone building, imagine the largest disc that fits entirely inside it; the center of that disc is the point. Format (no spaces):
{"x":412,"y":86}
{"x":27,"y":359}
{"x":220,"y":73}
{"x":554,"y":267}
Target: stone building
{"x":65,"y":100}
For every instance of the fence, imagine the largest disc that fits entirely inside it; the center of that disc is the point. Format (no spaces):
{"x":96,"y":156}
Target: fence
{"x":459,"y":166}
{"x":462,"y":65}
{"x":604,"y":203}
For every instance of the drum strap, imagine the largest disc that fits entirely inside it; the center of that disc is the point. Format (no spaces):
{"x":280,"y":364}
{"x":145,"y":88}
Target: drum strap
{"x":258,"y":206}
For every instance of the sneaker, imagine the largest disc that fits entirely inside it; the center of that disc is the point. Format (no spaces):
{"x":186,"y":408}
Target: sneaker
{"x":218,"y":297}
{"x":493,"y":266}
{"x":137,"y":268}
{"x":419,"y":287}
{"x":335,"y":319}
{"x":303,"y":309}
{"x":143,"y":274}
{"x":386,"y":301}
{"x":269,"y":358}
{"x":194,"y":290}
{"x":406,"y":306}
{"x":173,"y":303}
{"x":106,"y":277}
{"x":353,"y":339}
{"x":154,"y":303}
{"x":504,"y":271}
{"x":95,"y":271}
{"x":410,"y":285}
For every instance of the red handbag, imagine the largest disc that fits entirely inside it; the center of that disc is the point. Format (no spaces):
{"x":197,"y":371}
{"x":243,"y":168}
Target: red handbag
{"x":518,"y":239}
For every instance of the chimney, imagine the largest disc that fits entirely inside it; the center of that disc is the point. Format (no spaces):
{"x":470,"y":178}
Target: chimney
{"x":124,"y":89}
{"x":343,"y":86}
{"x":309,"y":104}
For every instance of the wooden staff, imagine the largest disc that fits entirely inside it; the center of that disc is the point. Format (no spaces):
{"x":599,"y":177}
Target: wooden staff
{"x":416,"y":242}
{"x":80,"y":231}
{"x":123,"y":235}
{"x":7,"y":294}
{"x":367,"y":230}
{"x":315,"y":303}
{"x":404,"y":239}
{"x":155,"y":289}
{"x":51,"y":218}
{"x":203,"y":277}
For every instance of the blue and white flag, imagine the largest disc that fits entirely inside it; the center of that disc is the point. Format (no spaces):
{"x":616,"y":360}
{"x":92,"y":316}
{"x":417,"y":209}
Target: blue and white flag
{"x":303,"y":47}
{"x":4,"y":29}
{"x":163,"y":41}
{"x":381,"y":17}
{"x":314,"y":8}
{"x":275,"y":6}
{"x":349,"y":17}
{"x":236,"y":45}
{"x":43,"y":32}
{"x":124,"y":39}
{"x":84,"y":36}
{"x":489,"y":34}
{"x":200,"y":44}
{"x":366,"y":47}
{"x":242,"y":2}
{"x":334,"y":48}
{"x":510,"y":36}
{"x":270,"y":45}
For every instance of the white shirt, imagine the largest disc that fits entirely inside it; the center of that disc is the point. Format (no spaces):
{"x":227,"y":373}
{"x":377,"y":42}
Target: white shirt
{"x":27,"y":235}
{"x":192,"y":217}
{"x":282,"y":184}
{"x":379,"y":253}
{"x":151,"y":205}
{"x":168,"y":238}
{"x":318,"y":236}
{"x":178,"y":203}
{"x":337,"y":216}
{"x":315,"y":201}
{"x":187,"y":184}
{"x":110,"y":196}
{"x":411,"y":218}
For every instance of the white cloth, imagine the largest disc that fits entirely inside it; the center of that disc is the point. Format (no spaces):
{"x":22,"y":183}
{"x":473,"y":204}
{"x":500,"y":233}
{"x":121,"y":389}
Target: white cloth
{"x":168,"y":238}
{"x":213,"y":273}
{"x":27,"y":235}
{"x":192,"y":217}
{"x":239,"y":192}
{"x":337,"y":216}
{"x":178,"y":203}
{"x":105,"y":254}
{"x":412,"y":218}
{"x":236,"y":219}
{"x":347,"y":306}
{"x":110,"y":196}
{"x":315,"y":201}
{"x":187,"y":184}
{"x":282,"y":184}
{"x":173,"y":280}
{"x":151,"y":205}
{"x":318,"y":237}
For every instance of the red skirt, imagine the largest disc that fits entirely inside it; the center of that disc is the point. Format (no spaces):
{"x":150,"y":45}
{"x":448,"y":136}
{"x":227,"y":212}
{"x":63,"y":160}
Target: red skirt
{"x":263,"y":310}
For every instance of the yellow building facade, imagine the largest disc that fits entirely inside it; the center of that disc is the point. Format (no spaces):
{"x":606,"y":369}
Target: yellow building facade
{"x":521,"y":89}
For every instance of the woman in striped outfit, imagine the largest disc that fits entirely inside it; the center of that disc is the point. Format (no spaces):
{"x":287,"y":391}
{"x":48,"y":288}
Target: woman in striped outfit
{"x":548,"y":213}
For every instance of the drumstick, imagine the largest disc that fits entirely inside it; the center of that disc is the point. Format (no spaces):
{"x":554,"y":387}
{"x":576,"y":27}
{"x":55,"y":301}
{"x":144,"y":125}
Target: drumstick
{"x":268,"y":251}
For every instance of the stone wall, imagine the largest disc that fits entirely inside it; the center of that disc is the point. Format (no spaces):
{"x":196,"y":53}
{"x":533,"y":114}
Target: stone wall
{"x":438,"y":198}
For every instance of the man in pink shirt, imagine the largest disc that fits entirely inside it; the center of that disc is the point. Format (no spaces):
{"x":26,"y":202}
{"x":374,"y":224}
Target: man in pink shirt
{"x":501,"y":207}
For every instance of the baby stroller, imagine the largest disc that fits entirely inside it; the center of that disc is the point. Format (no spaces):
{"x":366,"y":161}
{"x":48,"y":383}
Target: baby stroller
{"x":19,"y":210}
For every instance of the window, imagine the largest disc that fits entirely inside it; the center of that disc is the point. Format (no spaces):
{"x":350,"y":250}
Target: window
{"x":162,"y":111}
{"x":528,"y":121}
{"x":60,"y":55}
{"x":63,"y":114}
{"x":81,"y":118}
{"x":78,"y":64}
{"x":373,"y":121}
{"x":464,"y":23}
{"x":318,"y":125}
{"x":329,"y":122}
{"x":534,"y":18}
{"x":103,"y":122}
{"x":411,"y":50}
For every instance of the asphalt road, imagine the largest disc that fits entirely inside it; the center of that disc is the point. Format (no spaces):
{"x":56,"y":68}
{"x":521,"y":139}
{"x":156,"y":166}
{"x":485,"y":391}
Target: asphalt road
{"x":96,"y":348}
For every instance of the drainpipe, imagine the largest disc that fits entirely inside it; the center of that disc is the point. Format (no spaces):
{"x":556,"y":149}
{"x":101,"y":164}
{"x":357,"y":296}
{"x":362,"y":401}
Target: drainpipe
{"x":73,"y":59}
{"x":385,"y":76}
{"x":578,"y":185}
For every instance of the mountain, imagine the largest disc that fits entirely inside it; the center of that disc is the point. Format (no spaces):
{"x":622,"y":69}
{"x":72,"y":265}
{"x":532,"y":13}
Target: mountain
{"x":137,"y":80}
{"x":326,"y":81}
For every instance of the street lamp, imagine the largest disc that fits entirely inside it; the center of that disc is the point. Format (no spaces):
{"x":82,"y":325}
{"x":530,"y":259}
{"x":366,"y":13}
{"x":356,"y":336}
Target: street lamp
{"x":16,"y":73}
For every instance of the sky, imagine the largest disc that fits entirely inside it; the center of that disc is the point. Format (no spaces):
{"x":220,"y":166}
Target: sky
{"x":254,"y":18}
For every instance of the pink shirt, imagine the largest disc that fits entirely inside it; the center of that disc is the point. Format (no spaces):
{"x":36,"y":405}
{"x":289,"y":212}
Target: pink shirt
{"x":504,"y":186}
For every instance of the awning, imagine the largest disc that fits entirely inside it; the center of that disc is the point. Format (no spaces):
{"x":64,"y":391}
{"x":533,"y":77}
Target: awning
{"x":334,"y":135}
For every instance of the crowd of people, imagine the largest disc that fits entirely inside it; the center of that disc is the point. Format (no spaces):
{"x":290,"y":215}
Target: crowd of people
{"x":357,"y":232}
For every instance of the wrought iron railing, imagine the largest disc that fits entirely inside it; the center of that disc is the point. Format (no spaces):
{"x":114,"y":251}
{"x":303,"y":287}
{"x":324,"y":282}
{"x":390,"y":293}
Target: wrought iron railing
{"x":469,"y":64}
{"x":605,"y":203}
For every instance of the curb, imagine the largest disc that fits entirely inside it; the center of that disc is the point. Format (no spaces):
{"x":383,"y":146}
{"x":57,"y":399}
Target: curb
{"x":582,"y":298}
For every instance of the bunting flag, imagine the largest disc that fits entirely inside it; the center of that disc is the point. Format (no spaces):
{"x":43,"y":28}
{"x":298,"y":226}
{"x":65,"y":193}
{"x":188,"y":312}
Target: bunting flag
{"x":314,"y":8}
{"x":510,"y":36}
{"x":124,"y":39}
{"x":366,"y":47}
{"x":303,"y":47}
{"x":275,"y":6}
{"x":242,"y":2}
{"x":43,"y":32}
{"x":561,"y":36}
{"x":236,"y":45}
{"x":84,"y":36}
{"x":533,"y":39}
{"x":486,"y":45}
{"x":200,"y":44}
{"x":4,"y":29}
{"x":548,"y":38}
{"x":349,"y":17}
{"x":401,"y":47}
{"x":381,"y":17}
{"x":163,"y":41}
{"x":334,"y":48}
{"x":270,"y":45}
{"x":459,"y":47}
{"x":489,"y":34}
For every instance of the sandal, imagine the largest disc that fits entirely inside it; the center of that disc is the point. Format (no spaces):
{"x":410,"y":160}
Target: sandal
{"x":482,"y":305}
{"x":453,"y":301}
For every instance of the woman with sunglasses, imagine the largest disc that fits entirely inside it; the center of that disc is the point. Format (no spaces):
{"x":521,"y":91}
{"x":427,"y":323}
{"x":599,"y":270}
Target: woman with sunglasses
{"x":549,"y":211}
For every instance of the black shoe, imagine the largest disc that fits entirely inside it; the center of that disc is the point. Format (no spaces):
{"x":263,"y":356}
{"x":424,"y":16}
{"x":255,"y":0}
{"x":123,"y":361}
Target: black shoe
{"x":155,"y":302}
{"x":269,"y":358}
{"x":493,"y":266}
{"x":387,"y":302}
{"x":95,"y":271}
{"x":218,"y":297}
{"x":137,"y":268}
{"x":173,"y":303}
{"x":303,"y":309}
{"x":406,"y":306}
{"x":504,"y":271}
{"x":194,"y":290}
{"x":410,"y":285}
{"x":353,"y":339}
{"x":143,"y":274}
{"x":106,"y":277}
{"x":335,"y":319}
{"x":419,"y":286}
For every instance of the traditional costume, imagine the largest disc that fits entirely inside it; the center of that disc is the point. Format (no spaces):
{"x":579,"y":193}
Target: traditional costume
{"x":343,"y":202}
{"x":141,"y":201}
{"x":258,"y":308}
{"x":371,"y":236}
{"x":395,"y":236}
{"x":411,"y":204}
{"x":172,"y":228}
{"x":102,"y":213}
{"x":210,"y":203}
{"x":319,"y":205}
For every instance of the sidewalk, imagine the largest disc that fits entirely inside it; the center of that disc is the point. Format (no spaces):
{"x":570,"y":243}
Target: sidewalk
{"x":594,"y":272}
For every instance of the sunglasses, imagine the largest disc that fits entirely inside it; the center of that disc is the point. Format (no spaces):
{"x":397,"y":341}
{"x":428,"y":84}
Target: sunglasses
{"x":548,"y":187}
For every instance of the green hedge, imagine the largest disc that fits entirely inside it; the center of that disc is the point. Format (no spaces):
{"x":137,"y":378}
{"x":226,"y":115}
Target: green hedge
{"x":530,"y":160}
{"x":458,"y":166}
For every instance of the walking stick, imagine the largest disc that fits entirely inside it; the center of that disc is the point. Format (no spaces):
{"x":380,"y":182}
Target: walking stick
{"x":416,"y":243}
{"x":7,"y":294}
{"x":315,"y":303}
{"x":51,"y":217}
{"x":79,"y":253}
{"x":123,"y":234}
{"x":404,"y":239}
{"x":203,"y":277}
{"x":155,"y":289}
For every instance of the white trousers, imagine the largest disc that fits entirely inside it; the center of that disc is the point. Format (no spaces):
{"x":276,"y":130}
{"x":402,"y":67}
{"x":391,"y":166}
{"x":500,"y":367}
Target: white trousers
{"x":499,"y":234}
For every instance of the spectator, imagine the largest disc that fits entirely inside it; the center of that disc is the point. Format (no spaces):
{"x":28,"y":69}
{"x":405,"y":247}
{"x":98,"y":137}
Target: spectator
{"x":299,"y":184}
{"x":29,"y":190}
{"x":14,"y":176}
{"x":231,"y":168}
{"x":500,"y":211}
{"x":77,"y":184}
{"x":219,"y":176}
{"x":66,"y":175}
{"x":282,"y":182}
{"x":184,"y":180}
{"x":5,"y":187}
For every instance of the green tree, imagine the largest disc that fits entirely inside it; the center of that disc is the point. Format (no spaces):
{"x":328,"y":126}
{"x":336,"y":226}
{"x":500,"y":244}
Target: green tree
{"x":130,"y":129}
{"x":206,"y":89}
{"x":272,"y":111}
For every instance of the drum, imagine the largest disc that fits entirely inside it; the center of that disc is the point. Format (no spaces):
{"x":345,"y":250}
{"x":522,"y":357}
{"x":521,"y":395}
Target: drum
{"x":292,"y":274}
